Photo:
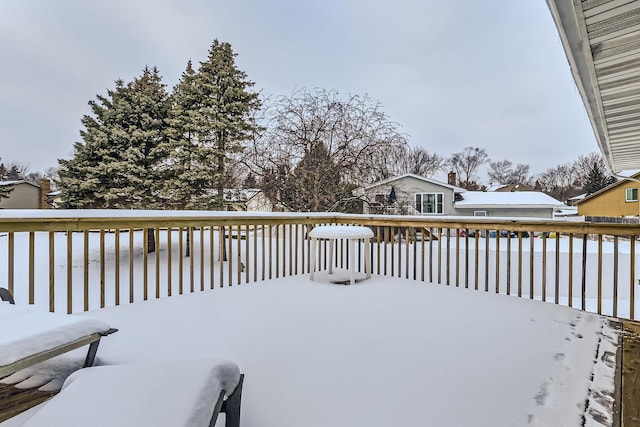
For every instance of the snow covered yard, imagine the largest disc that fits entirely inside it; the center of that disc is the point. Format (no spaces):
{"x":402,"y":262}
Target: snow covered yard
{"x":385,"y":352}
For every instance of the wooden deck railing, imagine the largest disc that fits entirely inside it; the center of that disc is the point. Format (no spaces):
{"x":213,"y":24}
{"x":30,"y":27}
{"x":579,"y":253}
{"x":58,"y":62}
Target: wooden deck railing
{"x":80,"y":260}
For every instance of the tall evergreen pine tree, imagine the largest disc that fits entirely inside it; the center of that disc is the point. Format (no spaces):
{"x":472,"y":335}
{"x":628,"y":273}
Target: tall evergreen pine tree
{"x":211,"y":117}
{"x":124,"y":143}
{"x":188,"y":174}
{"x":597,"y":179}
{"x":5,"y":190}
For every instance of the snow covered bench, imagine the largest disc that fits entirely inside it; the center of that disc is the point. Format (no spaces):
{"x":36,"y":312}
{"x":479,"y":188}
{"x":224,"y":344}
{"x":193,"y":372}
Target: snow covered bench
{"x":177,"y":393}
{"x":30,"y":336}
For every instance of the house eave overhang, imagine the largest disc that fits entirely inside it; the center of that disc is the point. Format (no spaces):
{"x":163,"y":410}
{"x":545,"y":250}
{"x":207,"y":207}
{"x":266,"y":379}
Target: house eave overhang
{"x":602,"y":44}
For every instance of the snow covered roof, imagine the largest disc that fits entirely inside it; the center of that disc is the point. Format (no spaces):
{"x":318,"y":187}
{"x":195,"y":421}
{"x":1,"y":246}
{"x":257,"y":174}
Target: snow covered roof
{"x":565,"y":211}
{"x":240,"y":195}
{"x":5,"y":183}
{"x":421,"y":178}
{"x":237,"y":194}
{"x":578,"y":197}
{"x":516,"y":199}
{"x":18,"y":182}
{"x":496,"y":187}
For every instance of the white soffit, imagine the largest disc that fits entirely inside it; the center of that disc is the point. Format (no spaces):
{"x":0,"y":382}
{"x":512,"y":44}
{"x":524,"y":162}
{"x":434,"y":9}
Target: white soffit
{"x":602,"y":41}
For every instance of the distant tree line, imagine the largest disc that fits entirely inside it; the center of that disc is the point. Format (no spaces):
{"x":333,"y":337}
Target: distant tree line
{"x":587,"y":174}
{"x":143,"y":146}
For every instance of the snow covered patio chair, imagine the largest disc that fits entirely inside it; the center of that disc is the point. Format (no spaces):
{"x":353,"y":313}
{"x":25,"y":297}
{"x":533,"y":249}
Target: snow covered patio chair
{"x":176,"y":393}
{"x":30,"y":336}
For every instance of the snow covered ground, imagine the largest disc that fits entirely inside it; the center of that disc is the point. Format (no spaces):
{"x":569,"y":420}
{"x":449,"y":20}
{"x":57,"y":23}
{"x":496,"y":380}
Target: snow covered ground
{"x":384,"y":352}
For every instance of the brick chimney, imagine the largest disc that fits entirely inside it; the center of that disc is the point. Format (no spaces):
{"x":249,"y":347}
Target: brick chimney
{"x":45,"y":189}
{"x":452,"y":179}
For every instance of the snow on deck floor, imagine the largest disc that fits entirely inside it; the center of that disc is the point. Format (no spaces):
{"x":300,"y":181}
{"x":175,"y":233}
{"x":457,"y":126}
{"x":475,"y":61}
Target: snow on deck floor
{"x":384,"y":352}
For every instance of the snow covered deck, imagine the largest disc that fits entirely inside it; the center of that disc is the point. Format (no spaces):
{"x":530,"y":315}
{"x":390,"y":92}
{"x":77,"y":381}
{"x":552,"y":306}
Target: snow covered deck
{"x":385,"y":352}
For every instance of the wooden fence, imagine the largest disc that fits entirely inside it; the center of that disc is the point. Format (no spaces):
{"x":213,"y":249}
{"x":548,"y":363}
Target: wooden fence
{"x":80,"y":260}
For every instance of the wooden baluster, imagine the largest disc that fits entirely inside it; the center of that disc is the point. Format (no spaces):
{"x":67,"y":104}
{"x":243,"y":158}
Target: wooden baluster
{"x":52,"y":272}
{"x":117,"y":266}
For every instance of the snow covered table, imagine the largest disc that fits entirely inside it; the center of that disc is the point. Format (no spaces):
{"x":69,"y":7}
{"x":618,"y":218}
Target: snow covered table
{"x":30,"y":336}
{"x":345,"y":232}
{"x":176,"y":393}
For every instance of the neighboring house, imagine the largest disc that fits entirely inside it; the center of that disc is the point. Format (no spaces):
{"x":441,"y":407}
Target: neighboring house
{"x":412,"y":195}
{"x":511,"y":187}
{"x":26,"y":195}
{"x":565,"y":212}
{"x":531,"y":204}
{"x":55,"y":199}
{"x":249,"y":200}
{"x":617,"y":200}
{"x":417,"y":195}
{"x":573,"y":201}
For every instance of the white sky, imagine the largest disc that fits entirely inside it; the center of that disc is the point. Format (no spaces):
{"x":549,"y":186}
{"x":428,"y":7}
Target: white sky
{"x":490,"y":74}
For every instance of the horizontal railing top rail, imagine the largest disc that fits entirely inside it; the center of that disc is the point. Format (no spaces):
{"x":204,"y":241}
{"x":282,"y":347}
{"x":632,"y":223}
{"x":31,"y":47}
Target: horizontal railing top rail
{"x":79,"y":220}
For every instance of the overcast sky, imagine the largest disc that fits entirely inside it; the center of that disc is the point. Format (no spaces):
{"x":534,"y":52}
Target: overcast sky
{"x":490,"y":73}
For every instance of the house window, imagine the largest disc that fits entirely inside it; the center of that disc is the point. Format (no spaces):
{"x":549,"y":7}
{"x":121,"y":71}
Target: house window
{"x":430,"y":203}
{"x":479,"y":213}
{"x":632,"y":194}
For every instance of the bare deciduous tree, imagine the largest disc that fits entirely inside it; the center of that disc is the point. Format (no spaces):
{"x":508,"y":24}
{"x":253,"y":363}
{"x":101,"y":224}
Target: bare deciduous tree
{"x":560,"y":182}
{"x":419,"y":161}
{"x":588,"y":162}
{"x":520,"y":174}
{"x":499,"y":172}
{"x":503,"y":172}
{"x":466,"y":163}
{"x":358,"y":136}
{"x":587,"y":173}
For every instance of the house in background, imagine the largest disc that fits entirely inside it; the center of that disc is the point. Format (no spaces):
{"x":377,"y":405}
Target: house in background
{"x":247,"y":200}
{"x":531,"y":204}
{"x":511,"y":187}
{"x":411,"y":194}
{"x":573,"y":201}
{"x":26,"y":195}
{"x":610,"y":204}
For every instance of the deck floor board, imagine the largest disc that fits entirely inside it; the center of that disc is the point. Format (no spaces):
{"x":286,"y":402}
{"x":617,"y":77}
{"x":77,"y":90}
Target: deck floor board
{"x":14,"y":401}
{"x":630,"y":406}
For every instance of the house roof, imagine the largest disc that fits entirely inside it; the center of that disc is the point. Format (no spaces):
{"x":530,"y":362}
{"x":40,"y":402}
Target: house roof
{"x":5,"y":183}
{"x":455,"y":188}
{"x":607,"y":188}
{"x":240,"y":194}
{"x":508,"y":200}
{"x":578,"y":197}
{"x":601,"y":40}
{"x":237,"y":194}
